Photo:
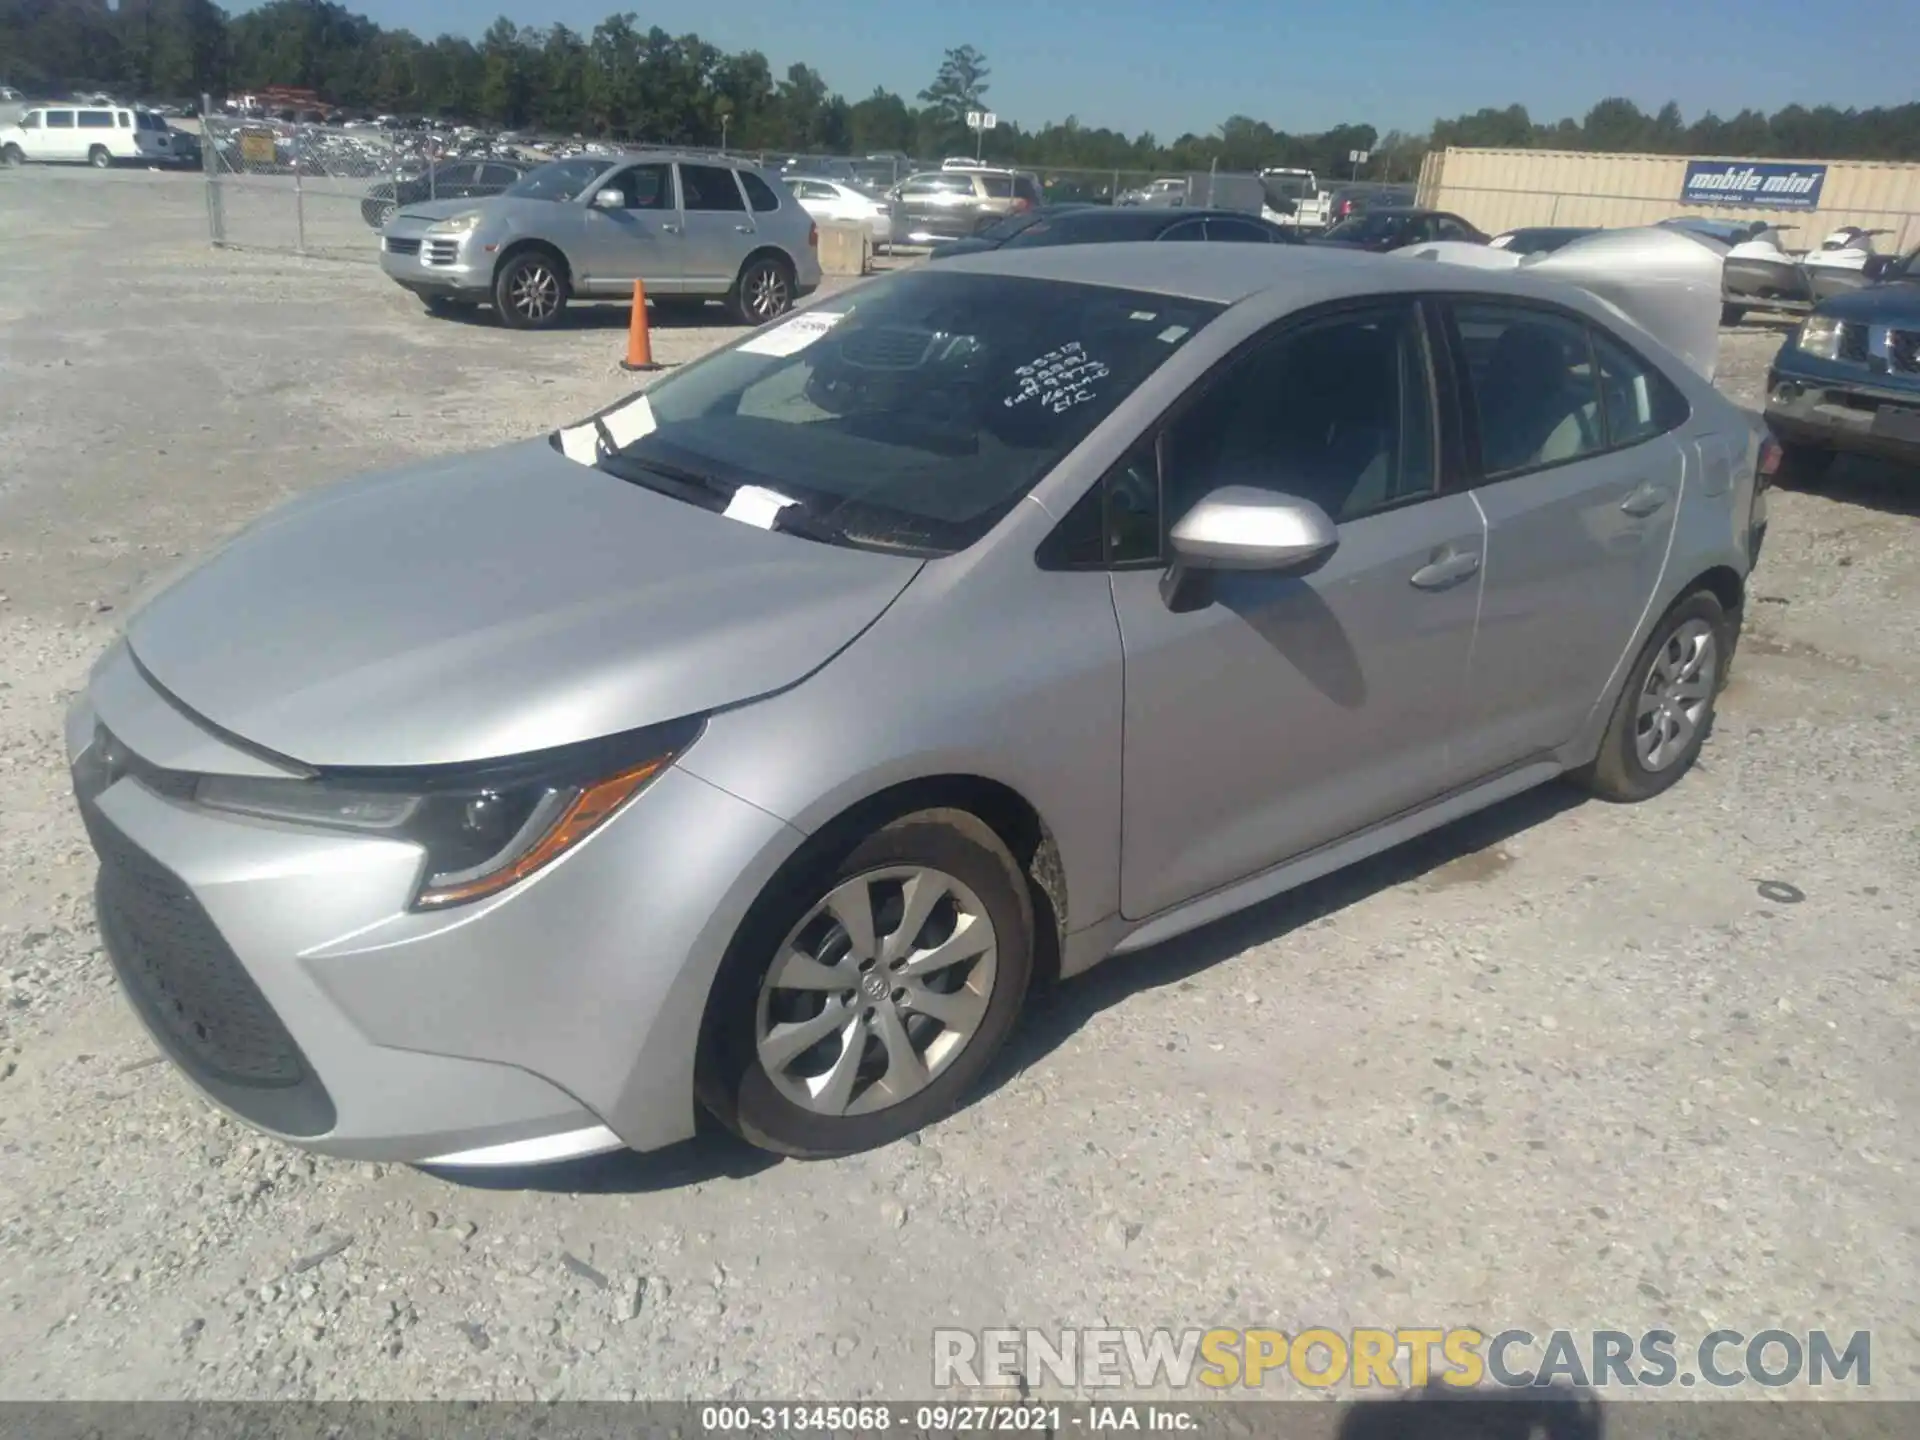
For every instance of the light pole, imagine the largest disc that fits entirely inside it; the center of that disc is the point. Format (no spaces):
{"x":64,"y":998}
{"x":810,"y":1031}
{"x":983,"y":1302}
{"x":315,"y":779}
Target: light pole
{"x":724,"y":118}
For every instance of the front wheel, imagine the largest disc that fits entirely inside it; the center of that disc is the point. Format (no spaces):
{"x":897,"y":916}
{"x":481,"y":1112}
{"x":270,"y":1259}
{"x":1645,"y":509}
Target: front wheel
{"x":99,"y":157}
{"x":763,"y":292}
{"x":530,"y":291}
{"x":1665,"y":709}
{"x":865,"y":1005}
{"x":1731,"y":315}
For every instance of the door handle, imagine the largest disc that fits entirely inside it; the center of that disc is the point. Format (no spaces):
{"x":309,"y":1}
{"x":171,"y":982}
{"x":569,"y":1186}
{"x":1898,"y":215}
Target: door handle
{"x":744,"y":229}
{"x":669,"y":229}
{"x":1447,"y":567}
{"x":1645,"y":499}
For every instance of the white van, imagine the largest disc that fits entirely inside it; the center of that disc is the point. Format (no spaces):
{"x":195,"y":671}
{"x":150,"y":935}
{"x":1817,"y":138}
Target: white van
{"x":96,"y":135}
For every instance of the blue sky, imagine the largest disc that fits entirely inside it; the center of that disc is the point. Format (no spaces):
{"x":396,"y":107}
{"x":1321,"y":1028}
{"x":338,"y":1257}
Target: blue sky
{"x":1175,"y":65}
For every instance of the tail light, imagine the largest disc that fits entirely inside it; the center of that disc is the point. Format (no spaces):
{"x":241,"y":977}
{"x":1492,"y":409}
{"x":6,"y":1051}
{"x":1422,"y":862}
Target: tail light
{"x":1771,"y":457}
{"x":1021,"y":205}
{"x":813,"y":236}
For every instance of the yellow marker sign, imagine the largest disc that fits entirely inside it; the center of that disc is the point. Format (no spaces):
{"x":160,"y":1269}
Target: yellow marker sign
{"x":256,"y":147}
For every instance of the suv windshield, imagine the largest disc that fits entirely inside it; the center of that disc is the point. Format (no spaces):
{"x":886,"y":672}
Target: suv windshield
{"x":910,"y":416}
{"x":557,"y":179}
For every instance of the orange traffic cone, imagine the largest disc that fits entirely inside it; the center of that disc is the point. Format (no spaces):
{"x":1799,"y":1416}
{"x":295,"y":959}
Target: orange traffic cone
{"x":639,"y":342}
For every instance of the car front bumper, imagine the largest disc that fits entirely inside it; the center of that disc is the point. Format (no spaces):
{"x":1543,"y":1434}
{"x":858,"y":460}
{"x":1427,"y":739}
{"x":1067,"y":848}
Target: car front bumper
{"x":1845,"y":414}
{"x":282,"y":970}
{"x":437,"y":265}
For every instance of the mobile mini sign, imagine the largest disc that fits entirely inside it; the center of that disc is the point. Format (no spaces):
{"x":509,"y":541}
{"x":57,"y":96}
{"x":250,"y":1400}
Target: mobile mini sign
{"x":1745,"y":182}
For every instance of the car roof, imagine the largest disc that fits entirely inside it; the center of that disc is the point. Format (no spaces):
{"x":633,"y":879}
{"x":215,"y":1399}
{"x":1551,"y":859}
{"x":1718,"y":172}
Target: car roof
{"x":1227,"y":274}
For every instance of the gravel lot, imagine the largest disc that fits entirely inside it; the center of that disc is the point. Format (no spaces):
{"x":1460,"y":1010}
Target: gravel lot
{"x":1561,"y":1066}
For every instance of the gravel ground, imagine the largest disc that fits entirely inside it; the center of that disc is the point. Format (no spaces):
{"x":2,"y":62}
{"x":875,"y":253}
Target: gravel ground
{"x":1561,"y":1066}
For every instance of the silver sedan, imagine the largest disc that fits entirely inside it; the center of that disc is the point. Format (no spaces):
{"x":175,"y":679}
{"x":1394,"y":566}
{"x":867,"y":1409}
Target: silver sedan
{"x":762,"y":742}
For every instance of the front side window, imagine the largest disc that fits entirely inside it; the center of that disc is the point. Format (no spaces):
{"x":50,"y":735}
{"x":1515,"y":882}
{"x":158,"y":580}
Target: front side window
{"x":644,"y":187}
{"x":915,"y":413}
{"x":146,"y":120}
{"x":32,"y":121}
{"x":1448,"y":228}
{"x":1337,"y":410}
{"x":1534,"y":385}
{"x":1114,"y":525}
{"x":710,"y":187}
{"x":1640,"y":402}
{"x":498,"y":177}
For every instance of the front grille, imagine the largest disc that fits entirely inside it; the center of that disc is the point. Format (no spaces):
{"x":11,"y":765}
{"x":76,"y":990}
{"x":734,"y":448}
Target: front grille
{"x":398,"y":246}
{"x":443,"y":252}
{"x":886,"y":347}
{"x":1903,"y":351}
{"x":1853,"y":343}
{"x":181,"y":973}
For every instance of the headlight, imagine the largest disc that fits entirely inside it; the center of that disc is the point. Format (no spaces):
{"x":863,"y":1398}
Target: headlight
{"x":1820,"y":337}
{"x":456,"y":225}
{"x":483,"y":828}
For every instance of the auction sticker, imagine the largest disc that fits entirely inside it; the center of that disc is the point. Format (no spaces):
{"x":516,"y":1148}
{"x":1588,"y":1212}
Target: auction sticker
{"x":794,"y":335}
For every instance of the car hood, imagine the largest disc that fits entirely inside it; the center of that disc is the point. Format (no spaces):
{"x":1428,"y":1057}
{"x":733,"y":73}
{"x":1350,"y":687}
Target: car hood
{"x":1894,"y":303}
{"x":492,"y":605}
{"x":440,"y":209}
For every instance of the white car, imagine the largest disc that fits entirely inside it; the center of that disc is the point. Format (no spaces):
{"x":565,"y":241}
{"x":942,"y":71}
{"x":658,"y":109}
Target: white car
{"x":96,"y":135}
{"x":837,"y":200}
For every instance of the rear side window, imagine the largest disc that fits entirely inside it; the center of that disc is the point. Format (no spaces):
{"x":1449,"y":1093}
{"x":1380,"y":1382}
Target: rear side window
{"x":1536,"y":390}
{"x":1000,"y":187}
{"x":759,"y":193}
{"x":60,"y":119}
{"x":1027,"y":188}
{"x":709,"y":187}
{"x":144,"y":121}
{"x":96,"y":119}
{"x":1640,"y":402}
{"x":498,"y":176}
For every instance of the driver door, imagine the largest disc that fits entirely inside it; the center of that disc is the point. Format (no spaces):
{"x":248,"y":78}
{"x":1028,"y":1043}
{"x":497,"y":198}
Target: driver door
{"x":637,"y":238}
{"x":1285,"y":711}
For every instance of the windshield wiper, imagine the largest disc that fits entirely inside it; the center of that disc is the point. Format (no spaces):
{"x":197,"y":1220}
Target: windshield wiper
{"x":689,"y":485}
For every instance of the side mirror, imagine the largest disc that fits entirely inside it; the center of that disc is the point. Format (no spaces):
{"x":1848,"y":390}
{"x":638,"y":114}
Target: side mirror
{"x":609,"y":199}
{"x":1242,"y":527}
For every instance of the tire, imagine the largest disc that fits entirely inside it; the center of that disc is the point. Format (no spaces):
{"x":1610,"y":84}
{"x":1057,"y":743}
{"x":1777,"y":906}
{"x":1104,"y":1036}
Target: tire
{"x":1624,"y":771}
{"x":378,"y":212}
{"x":100,"y":157}
{"x":530,"y":290}
{"x":13,"y":155}
{"x":835,"y":1095}
{"x":1732,"y":314}
{"x":763,"y":292}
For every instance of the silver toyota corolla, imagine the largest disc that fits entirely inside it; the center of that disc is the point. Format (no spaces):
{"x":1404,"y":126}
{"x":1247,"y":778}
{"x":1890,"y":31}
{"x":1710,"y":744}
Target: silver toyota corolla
{"x":692,"y":228}
{"x":762,"y":741}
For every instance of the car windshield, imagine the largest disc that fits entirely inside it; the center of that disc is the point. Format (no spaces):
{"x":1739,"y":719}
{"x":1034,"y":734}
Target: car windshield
{"x":912,"y":415}
{"x":557,"y":180}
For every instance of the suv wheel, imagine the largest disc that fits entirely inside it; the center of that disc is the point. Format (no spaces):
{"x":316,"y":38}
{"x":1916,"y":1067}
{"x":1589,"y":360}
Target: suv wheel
{"x":99,"y":157}
{"x":13,"y":155}
{"x":863,"y":1005}
{"x":531,"y":290}
{"x":763,"y":292}
{"x":1665,"y":710}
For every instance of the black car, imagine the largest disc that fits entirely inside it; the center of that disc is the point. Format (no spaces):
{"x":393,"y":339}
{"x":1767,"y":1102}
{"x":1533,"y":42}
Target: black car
{"x":450,"y":180}
{"x":1848,"y":377}
{"x":1108,"y":225}
{"x":1392,"y":227}
{"x":1350,"y":200}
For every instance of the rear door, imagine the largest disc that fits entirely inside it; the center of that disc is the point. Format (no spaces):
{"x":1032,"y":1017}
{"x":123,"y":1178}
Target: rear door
{"x":636,"y":239}
{"x":719,"y":228}
{"x":1291,"y":710}
{"x":1580,"y":480}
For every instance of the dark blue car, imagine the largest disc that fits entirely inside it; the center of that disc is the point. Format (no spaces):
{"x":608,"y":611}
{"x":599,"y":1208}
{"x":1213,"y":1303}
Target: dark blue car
{"x":1848,"y":378}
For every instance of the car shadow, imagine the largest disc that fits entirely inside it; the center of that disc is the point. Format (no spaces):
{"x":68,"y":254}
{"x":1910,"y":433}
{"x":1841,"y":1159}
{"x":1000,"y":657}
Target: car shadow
{"x":1869,"y":480}
{"x":1056,"y":1014}
{"x":1553,"y":1412}
{"x":712,"y":1154}
{"x":611,"y":315}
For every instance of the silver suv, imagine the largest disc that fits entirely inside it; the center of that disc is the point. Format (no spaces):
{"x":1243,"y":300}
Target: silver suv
{"x":952,"y":204}
{"x":690,"y":227}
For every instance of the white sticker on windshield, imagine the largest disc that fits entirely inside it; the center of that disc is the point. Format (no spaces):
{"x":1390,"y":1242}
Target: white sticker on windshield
{"x":629,"y":422}
{"x":1141,"y":315}
{"x":757,"y":506}
{"x":1058,"y":380}
{"x":1171,"y":334}
{"x":794,"y":335}
{"x":580,"y":444}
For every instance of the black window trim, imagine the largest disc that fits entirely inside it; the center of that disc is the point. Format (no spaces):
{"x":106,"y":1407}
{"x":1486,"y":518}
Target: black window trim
{"x":1473,"y":472}
{"x":1446,"y":444}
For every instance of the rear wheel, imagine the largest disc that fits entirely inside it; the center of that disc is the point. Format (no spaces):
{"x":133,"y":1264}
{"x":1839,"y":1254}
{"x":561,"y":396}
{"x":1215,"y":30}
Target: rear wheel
{"x":1665,"y":710}
{"x":763,"y":292}
{"x":866,"y":1003}
{"x":99,"y":157}
{"x":531,"y":290}
{"x":1732,"y":314}
{"x":13,"y":155}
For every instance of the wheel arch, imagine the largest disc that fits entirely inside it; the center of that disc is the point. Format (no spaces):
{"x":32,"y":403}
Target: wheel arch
{"x":777,"y":253}
{"x":533,"y":242}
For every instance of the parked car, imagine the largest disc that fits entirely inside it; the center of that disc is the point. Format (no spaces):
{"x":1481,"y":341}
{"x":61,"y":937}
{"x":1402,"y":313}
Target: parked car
{"x":1105,"y":225}
{"x":1361,"y":196}
{"x":1167,"y":190}
{"x":99,"y":136}
{"x":940,"y":205}
{"x":1294,"y":197}
{"x":692,"y":227}
{"x":841,"y":200}
{"x":1389,"y":227}
{"x":512,"y":806}
{"x":1541,"y":239}
{"x":1848,"y":378}
{"x":456,"y":180}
